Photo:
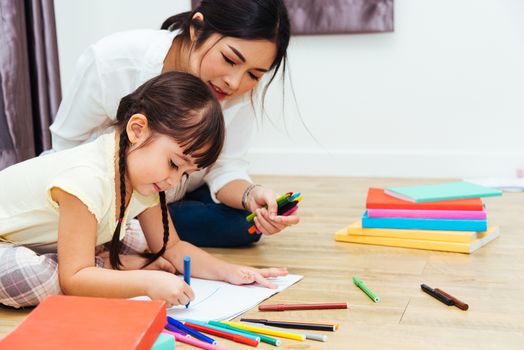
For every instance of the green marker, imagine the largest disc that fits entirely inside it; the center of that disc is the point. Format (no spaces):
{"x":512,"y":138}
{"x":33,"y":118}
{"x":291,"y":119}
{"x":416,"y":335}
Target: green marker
{"x":365,"y":289}
{"x":251,"y":216}
{"x":263,"y":338}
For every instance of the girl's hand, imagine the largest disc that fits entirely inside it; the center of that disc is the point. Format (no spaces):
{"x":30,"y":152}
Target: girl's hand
{"x":238,"y":274}
{"x":267,"y":221}
{"x":170,"y":288}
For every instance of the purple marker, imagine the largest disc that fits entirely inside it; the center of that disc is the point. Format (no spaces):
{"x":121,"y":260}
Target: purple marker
{"x":172,"y":328}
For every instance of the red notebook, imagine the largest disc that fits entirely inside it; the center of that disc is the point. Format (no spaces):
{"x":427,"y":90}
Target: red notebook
{"x":377,"y":199}
{"x":70,"y":322}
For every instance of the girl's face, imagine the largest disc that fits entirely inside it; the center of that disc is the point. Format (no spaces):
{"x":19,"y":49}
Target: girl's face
{"x":232,"y":66}
{"x":154,"y":164}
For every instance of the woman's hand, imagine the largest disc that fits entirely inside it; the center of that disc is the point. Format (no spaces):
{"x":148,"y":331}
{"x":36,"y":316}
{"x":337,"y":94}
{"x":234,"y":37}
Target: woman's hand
{"x":238,"y":274}
{"x":170,"y":288}
{"x":267,"y":221}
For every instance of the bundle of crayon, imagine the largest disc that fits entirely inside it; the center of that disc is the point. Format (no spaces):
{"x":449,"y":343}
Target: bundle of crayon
{"x":287,"y":205}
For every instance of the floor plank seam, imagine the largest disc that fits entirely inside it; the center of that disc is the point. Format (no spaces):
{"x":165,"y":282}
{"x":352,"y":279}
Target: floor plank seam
{"x":425,"y":266}
{"x":399,"y":321}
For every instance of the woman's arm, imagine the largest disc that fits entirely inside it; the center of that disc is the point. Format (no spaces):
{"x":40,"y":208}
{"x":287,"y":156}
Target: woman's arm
{"x":78,"y":274}
{"x":203,"y":265}
{"x":228,"y":178}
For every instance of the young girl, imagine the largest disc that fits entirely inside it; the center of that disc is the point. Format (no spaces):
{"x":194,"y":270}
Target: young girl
{"x":69,"y":202}
{"x":230,"y":45}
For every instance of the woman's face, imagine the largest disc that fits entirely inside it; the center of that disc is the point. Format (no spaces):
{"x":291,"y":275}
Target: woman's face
{"x":232,"y":66}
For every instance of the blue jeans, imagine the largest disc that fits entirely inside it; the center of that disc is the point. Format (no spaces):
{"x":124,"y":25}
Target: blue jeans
{"x":202,"y":222}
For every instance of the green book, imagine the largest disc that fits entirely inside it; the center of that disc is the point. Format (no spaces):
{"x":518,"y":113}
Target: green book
{"x":441,"y":192}
{"x":164,"y":342}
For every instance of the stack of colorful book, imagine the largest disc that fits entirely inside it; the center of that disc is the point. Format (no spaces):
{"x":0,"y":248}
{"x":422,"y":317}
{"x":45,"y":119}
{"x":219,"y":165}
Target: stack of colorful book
{"x":447,"y":217}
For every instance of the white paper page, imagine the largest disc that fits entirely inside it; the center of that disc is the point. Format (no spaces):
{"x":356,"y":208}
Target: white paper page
{"x":505,"y":184}
{"x":216,"y":300}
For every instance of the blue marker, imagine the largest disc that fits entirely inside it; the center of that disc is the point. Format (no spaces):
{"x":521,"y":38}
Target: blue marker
{"x":187,"y":272}
{"x":190,"y":331}
{"x":295,"y":196}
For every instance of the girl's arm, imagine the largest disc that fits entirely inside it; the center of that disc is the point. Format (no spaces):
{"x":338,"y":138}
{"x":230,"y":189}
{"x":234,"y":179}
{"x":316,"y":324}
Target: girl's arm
{"x":203,"y":265}
{"x":78,"y":274}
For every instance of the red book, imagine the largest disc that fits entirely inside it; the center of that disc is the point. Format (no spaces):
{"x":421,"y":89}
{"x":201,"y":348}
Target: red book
{"x":70,"y":322}
{"x":377,"y":199}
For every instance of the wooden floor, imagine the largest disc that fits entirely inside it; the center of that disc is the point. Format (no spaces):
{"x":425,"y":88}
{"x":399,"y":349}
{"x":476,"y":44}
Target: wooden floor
{"x":491,"y":280}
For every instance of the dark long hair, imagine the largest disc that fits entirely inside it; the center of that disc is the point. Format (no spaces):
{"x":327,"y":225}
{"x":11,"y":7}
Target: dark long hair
{"x":178,"y":105}
{"x":243,"y":19}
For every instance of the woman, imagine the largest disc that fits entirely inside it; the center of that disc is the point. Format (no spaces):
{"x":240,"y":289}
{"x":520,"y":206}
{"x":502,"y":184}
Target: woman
{"x":230,"y":45}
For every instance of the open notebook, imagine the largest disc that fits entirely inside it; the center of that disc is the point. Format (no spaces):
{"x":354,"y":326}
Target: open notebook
{"x":216,"y":300}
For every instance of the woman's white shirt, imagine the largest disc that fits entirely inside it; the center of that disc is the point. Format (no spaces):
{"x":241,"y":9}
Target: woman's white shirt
{"x":114,"y":67}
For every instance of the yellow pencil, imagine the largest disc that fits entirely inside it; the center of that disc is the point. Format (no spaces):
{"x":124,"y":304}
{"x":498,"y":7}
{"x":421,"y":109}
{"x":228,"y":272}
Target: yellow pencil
{"x":261,"y":330}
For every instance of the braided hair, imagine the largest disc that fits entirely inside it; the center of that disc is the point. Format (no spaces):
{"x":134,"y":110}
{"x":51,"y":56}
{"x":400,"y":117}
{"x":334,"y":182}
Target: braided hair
{"x":178,"y":105}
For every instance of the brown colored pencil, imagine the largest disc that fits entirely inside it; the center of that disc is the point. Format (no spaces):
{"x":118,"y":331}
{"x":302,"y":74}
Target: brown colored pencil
{"x":282,"y":307}
{"x":460,"y":304}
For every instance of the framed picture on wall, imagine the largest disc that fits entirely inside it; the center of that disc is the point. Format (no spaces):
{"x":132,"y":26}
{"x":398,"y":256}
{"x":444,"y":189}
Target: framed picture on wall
{"x":311,"y":17}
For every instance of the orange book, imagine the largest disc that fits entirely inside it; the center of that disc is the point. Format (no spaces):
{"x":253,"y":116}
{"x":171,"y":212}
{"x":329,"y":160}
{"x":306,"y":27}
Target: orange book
{"x":377,"y":199}
{"x":85,"y":323}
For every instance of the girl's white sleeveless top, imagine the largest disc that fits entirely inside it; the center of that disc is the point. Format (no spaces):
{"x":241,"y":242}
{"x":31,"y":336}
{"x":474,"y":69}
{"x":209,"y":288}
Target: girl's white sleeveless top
{"x":28,"y":214}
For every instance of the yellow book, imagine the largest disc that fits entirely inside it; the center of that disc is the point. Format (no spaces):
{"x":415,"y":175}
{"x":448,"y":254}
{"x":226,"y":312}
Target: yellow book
{"x":430,"y":235}
{"x":458,"y":247}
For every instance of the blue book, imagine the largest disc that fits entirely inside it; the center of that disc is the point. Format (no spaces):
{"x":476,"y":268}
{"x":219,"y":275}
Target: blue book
{"x":441,"y":192}
{"x":424,"y":224}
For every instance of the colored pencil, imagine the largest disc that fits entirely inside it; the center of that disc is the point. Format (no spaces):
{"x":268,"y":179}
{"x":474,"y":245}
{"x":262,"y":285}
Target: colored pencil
{"x":223,"y":334}
{"x":460,"y":304}
{"x":172,"y":328}
{"x":233,"y":331}
{"x":291,"y":211}
{"x":190,"y":331}
{"x":293,"y":324}
{"x":365,"y":289}
{"x":309,"y":336}
{"x":263,"y":330}
{"x":251,"y":216}
{"x":316,"y":306}
{"x":187,"y":272}
{"x":440,"y":297}
{"x":263,"y":338}
{"x":195,"y":342}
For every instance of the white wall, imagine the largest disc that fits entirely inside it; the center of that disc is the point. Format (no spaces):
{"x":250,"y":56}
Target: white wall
{"x":439,"y":97}
{"x":80,"y":23}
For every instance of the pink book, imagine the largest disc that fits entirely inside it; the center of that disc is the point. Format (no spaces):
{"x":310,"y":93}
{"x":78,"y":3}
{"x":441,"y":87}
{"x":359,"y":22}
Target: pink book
{"x":426,"y":214}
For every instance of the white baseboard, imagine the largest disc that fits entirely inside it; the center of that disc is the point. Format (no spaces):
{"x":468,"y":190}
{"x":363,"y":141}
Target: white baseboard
{"x":407,"y":164}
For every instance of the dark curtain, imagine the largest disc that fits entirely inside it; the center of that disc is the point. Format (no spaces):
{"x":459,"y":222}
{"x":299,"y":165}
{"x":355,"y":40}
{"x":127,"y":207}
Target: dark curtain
{"x":29,"y":78}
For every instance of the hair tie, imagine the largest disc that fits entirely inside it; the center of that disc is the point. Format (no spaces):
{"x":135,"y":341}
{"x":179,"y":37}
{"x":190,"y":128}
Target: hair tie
{"x":119,"y":220}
